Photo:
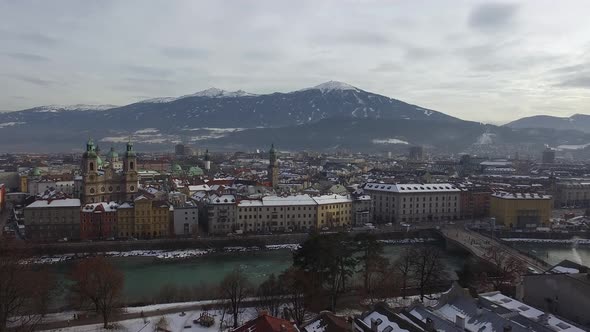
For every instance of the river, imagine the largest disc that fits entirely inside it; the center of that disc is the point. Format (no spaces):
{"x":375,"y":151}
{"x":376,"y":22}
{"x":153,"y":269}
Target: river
{"x":144,"y":277}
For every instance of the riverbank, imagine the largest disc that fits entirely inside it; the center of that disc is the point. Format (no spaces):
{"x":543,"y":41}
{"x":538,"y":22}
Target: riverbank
{"x":565,"y":242}
{"x":183,"y":254}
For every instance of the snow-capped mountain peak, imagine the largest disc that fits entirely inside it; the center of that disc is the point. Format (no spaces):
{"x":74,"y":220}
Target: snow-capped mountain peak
{"x":209,"y":93}
{"x":77,"y":107}
{"x":333,"y":86}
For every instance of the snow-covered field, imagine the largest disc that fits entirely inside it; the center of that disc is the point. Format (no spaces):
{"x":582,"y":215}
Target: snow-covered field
{"x":175,"y":322}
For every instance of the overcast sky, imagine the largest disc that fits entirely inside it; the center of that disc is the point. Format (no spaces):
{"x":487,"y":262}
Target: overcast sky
{"x":485,"y":61}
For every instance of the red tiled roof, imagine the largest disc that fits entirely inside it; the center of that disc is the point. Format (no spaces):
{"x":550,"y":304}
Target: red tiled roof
{"x":266,"y":323}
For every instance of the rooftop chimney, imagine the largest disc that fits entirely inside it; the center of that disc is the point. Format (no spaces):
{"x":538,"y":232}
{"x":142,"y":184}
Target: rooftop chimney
{"x":460,"y":321}
{"x":374,"y":326}
{"x":479,"y":311}
{"x":507,"y":328}
{"x":430,"y":325}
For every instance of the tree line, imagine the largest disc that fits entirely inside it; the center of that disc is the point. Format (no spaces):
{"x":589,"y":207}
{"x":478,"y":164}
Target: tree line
{"x":326,"y":270}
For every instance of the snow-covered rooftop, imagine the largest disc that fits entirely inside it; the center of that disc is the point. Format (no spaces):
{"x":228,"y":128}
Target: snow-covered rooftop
{"x":412,"y":187}
{"x":506,"y":195}
{"x":528,"y":312}
{"x":332,"y":199}
{"x":52,"y":203}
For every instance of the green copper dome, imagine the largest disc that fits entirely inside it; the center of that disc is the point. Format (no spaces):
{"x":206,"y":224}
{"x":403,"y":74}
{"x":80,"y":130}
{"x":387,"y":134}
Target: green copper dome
{"x":112,"y":154}
{"x":99,"y":162}
{"x":195,"y":171}
{"x":36,"y":172}
{"x":176,"y":168}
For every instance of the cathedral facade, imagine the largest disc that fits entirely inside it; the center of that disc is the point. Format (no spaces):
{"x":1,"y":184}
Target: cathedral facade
{"x":108,"y":182}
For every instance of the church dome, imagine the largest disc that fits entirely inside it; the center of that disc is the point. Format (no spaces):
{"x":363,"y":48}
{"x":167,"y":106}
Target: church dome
{"x":36,"y":171}
{"x":112,"y":154}
{"x":176,"y":168}
{"x":99,"y":161}
{"x":195,"y":171}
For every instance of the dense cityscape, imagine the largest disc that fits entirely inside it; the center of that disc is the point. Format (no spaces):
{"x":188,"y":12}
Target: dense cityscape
{"x":294,"y":166}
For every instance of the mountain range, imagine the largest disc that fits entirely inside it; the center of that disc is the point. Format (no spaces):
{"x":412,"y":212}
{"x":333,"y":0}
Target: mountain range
{"x":332,"y":115}
{"x":575,"y":122}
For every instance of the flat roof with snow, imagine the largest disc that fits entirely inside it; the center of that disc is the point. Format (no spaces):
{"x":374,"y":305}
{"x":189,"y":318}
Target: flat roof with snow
{"x":412,"y":187}
{"x":55,"y":203}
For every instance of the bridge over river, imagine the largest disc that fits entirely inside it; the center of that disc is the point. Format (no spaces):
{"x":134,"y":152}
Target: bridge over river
{"x":480,"y":245}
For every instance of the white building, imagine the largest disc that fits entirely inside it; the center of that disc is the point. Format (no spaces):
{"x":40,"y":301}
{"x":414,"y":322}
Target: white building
{"x":221,"y":214}
{"x":414,"y":202}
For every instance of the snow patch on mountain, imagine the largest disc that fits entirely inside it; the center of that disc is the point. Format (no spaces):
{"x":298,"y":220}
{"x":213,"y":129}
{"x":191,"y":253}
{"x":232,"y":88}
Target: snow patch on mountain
{"x":573,"y":147}
{"x":77,"y":107}
{"x":389,"y":141}
{"x":485,"y":139}
{"x":332,"y":86}
{"x":147,"y":131}
{"x":208,"y":93}
{"x":10,"y":124}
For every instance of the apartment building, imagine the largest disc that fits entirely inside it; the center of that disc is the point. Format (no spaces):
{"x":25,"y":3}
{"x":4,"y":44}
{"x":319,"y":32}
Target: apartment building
{"x":414,"y":202}
{"x":221,"y":214}
{"x":276,"y":213}
{"x":144,"y":219}
{"x":51,"y":220}
{"x":521,"y":210}
{"x":333,"y":211}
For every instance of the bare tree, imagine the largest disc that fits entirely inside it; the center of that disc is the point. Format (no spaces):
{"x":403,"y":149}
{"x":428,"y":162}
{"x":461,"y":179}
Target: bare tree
{"x":300,"y":294}
{"x":99,"y":284}
{"x":506,"y":269}
{"x":427,"y":269}
{"x":25,"y":289}
{"x":404,"y":266}
{"x":234,"y":288}
{"x":271,"y":295}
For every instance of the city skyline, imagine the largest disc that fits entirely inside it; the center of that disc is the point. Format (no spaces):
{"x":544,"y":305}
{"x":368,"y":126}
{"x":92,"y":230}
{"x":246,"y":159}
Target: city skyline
{"x":485,"y":61}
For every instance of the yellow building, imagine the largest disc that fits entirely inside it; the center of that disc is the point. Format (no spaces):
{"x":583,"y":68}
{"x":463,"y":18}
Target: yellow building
{"x":24,"y":184}
{"x":333,"y":211}
{"x":521,"y":210}
{"x":125,"y":220}
{"x":144,"y":219}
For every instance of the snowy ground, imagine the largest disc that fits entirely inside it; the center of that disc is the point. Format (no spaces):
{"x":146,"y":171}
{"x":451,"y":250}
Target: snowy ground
{"x":176,"y":322}
{"x":189,"y":253}
{"x":159,"y":254}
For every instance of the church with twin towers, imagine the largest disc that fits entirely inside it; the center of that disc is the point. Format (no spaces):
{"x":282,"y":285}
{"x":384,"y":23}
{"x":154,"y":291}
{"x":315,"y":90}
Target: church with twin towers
{"x":113,"y":180}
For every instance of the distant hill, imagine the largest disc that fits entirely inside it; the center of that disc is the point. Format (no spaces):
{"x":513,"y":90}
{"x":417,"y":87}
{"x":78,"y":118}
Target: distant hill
{"x":394,"y":135}
{"x":575,"y":122}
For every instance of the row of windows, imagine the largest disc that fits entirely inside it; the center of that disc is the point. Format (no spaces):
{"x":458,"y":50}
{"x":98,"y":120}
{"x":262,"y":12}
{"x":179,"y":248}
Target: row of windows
{"x":275,"y":216}
{"x":299,"y":208}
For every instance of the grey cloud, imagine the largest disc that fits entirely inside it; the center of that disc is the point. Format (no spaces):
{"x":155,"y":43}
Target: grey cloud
{"x":386,"y":67}
{"x":419,"y":53}
{"x":184,"y":52}
{"x":492,"y":16}
{"x":39,"y":39}
{"x":582,"y":81}
{"x":355,"y":37}
{"x":27,"y":57}
{"x":148,"y":70}
{"x":572,"y":68}
{"x":262,"y":55}
{"x":32,"y":80}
